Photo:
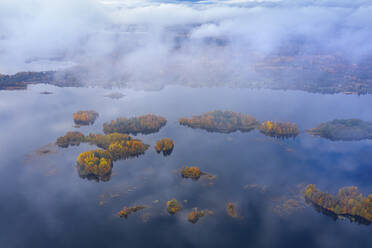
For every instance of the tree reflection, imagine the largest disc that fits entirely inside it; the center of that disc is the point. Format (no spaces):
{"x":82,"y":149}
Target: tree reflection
{"x":348,"y":203}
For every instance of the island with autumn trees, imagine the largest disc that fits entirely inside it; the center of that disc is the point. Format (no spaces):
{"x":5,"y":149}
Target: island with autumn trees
{"x":231,"y":210}
{"x":104,"y":141}
{"x":192,"y":172}
{"x":278,"y":129}
{"x":70,"y":139}
{"x":221,"y":121}
{"x":144,"y":124}
{"x":85,"y":117}
{"x":165,"y":146}
{"x":121,"y":146}
{"x":195,"y":215}
{"x":173,"y":206}
{"x":126,"y":211}
{"x":343,"y":129}
{"x":97,"y":164}
{"x":348,"y":203}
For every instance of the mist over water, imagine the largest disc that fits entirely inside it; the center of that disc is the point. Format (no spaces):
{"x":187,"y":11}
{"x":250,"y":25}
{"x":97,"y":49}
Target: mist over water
{"x":148,"y":44}
{"x":179,"y":59}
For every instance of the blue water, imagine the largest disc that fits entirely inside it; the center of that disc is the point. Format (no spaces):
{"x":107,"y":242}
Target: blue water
{"x":44,"y":202}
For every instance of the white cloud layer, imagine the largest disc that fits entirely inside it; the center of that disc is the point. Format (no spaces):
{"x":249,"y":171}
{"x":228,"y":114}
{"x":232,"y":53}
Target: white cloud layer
{"x":146,"y":40}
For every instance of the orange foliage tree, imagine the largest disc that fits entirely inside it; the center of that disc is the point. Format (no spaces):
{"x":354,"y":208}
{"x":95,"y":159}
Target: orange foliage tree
{"x":164,"y":145}
{"x":95,"y":164}
{"x":348,"y":202}
{"x":143,"y":124}
{"x":87,"y":117}
{"x":191,"y":172}
{"x":278,"y":129}
{"x":70,"y":139}
{"x":221,"y":121}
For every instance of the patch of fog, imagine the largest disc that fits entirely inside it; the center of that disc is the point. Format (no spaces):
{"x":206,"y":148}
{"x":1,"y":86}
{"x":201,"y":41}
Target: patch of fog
{"x":148,"y":44}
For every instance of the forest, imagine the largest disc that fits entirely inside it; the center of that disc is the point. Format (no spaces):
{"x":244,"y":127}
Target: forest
{"x":104,"y":141}
{"x":192,"y":172}
{"x":126,"y":149}
{"x":278,"y":129}
{"x":21,"y":80}
{"x":195,"y":215}
{"x":87,"y":117}
{"x":95,"y":164}
{"x":70,"y":139}
{"x":343,"y":129}
{"x":120,"y":146}
{"x":347,"y":203}
{"x":316,"y":73}
{"x":173,"y":206}
{"x":221,"y":121}
{"x":164,"y":145}
{"x":145,"y":124}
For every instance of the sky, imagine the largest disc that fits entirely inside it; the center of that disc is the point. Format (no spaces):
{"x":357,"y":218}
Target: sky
{"x":142,"y":40}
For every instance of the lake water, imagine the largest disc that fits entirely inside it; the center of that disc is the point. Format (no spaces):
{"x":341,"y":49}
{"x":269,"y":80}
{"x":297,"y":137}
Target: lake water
{"x":44,"y":202}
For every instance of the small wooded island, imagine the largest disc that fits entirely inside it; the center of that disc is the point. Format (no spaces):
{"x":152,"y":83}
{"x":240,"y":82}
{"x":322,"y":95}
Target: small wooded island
{"x":120,"y":146}
{"x":95,"y":164}
{"x":70,"y":139}
{"x":221,"y":121}
{"x":347,"y":203}
{"x":231,"y":210}
{"x":104,"y":141}
{"x":278,"y":129}
{"x":173,"y":206}
{"x":126,"y":211}
{"x":344,"y":129}
{"x":144,"y":124}
{"x":195,"y":215}
{"x":192,"y":172}
{"x":85,"y":117}
{"x":164,"y":145}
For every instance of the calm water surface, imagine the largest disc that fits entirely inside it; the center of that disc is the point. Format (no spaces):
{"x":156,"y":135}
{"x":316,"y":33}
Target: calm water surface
{"x":44,"y":202}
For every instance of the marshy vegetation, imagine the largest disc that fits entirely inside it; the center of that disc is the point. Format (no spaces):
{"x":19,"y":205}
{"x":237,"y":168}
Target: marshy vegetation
{"x":126,"y":211}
